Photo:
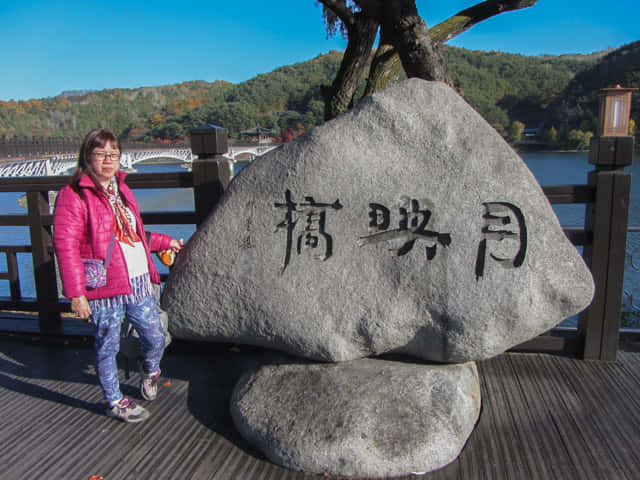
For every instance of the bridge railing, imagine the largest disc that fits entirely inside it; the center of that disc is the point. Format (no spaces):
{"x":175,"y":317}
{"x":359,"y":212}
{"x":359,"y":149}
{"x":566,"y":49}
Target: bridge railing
{"x":34,"y":147}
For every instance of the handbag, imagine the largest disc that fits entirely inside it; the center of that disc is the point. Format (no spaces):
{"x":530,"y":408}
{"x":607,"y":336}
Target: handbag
{"x":95,"y":271}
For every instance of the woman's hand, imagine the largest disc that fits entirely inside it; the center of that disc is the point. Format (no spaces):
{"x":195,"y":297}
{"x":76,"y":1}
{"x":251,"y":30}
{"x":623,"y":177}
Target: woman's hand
{"x":80,"y":306}
{"x":176,"y":245}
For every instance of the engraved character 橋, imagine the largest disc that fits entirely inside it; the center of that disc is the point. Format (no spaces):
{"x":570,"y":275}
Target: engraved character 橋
{"x":314,"y":234}
{"x":412,"y":226}
{"x":499,"y":226}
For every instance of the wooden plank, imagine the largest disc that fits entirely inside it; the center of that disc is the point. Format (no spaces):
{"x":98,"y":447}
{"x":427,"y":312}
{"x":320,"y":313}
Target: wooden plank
{"x":169,"y":218}
{"x":564,"y":405}
{"x":578,"y":236}
{"x":160,"y":180}
{"x":569,"y":193}
{"x":134,"y":180}
{"x":15,"y":248}
{"x":33,"y":184}
{"x":496,"y":407}
{"x":542,"y":343}
{"x":33,"y":305}
{"x":535,"y":382}
{"x":600,"y":433}
{"x":596,"y":383}
{"x":14,"y":220}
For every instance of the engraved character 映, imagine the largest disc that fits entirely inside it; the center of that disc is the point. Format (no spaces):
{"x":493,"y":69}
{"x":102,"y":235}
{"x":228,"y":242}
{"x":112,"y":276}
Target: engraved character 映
{"x":412,"y":227}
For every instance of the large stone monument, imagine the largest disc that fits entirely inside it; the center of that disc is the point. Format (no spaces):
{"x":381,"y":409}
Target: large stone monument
{"x":407,"y":225}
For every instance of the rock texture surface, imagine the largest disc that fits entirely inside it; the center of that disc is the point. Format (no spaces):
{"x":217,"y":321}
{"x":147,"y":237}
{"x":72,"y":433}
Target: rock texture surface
{"x":367,"y":417}
{"x":405,"y":225}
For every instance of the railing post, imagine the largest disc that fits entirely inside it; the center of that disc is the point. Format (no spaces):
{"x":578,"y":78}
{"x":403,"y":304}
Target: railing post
{"x":211,"y":171}
{"x":607,"y":220}
{"x":44,"y":270}
{"x":14,"y":275}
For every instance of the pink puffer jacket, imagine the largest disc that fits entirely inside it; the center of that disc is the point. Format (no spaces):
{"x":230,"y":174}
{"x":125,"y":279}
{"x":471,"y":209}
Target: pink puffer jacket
{"x":83,"y":230}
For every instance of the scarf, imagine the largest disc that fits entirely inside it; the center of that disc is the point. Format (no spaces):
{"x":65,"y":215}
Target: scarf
{"x":124,"y":217}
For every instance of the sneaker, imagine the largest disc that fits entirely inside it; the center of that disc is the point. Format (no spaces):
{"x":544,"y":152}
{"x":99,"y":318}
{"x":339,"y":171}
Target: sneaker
{"x":149,"y":385}
{"x":127,"y":411}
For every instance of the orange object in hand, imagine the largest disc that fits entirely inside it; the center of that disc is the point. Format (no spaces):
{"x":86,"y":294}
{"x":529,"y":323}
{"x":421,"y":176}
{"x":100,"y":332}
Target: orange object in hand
{"x":167,"y":257}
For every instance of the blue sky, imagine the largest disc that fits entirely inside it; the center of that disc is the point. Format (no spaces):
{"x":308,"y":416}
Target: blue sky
{"x":48,"y":46}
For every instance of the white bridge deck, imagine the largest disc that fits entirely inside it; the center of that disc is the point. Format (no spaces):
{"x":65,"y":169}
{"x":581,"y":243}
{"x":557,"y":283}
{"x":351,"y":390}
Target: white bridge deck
{"x":53,"y":165}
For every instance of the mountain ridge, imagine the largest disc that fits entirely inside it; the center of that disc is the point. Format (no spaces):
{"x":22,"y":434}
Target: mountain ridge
{"x":505,"y":88}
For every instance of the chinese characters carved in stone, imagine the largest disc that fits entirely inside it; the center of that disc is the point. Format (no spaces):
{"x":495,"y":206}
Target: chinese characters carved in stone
{"x":314,"y":234}
{"x":503,"y":221}
{"x":412,"y":227}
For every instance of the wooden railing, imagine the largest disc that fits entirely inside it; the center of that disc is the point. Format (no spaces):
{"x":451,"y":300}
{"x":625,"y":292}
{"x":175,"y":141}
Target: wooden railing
{"x":603,"y":239}
{"x":207,"y":186}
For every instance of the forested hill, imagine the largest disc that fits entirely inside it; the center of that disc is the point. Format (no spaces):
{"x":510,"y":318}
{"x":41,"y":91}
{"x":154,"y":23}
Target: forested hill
{"x":508,"y":90}
{"x":577,"y":107}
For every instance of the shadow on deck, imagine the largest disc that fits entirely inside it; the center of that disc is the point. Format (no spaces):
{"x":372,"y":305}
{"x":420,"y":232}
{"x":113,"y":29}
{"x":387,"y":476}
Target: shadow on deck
{"x":543,"y":417}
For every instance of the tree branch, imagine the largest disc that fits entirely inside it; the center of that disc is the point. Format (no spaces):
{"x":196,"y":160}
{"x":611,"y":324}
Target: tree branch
{"x":339,"y":7}
{"x":465,"y":19}
{"x":386,"y":67}
{"x":339,"y":96}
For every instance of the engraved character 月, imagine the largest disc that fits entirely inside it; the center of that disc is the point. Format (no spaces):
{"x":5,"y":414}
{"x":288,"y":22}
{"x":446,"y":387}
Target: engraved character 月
{"x":499,"y":226}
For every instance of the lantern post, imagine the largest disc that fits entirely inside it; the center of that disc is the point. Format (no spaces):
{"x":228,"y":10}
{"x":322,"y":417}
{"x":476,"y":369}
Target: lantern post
{"x":606,"y":223}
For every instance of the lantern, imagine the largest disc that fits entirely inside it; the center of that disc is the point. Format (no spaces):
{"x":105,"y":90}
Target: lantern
{"x":615,"y":109}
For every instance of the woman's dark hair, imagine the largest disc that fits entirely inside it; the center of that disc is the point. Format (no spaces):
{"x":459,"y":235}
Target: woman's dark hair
{"x":95,"y":138}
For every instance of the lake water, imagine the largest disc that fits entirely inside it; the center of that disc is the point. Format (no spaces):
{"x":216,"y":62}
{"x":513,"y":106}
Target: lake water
{"x":549,"y":169}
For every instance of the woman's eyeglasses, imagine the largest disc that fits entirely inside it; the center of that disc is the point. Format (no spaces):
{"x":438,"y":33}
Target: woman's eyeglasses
{"x":101,"y":156}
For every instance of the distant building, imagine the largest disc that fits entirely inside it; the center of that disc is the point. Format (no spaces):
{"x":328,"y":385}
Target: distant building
{"x":259,"y":135}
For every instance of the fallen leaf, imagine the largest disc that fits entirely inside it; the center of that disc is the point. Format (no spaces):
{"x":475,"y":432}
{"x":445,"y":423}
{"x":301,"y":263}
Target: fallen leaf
{"x":166,"y":384}
{"x":234,"y":349}
{"x":96,"y":477}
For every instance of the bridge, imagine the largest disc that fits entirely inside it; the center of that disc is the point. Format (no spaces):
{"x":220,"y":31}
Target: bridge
{"x":254,"y":151}
{"x":54,"y":165}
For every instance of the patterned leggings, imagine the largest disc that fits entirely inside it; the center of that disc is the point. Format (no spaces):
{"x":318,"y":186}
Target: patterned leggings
{"x":143,"y":315}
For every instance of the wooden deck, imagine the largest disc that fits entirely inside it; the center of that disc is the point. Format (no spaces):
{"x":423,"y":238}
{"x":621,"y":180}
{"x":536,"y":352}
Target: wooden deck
{"x":544,"y":417}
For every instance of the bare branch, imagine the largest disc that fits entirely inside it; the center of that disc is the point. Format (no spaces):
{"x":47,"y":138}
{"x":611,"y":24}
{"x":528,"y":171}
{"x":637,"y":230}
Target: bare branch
{"x":464,"y":20}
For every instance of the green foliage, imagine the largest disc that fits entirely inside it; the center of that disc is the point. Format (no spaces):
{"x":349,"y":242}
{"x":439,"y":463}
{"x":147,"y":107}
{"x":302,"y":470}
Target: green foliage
{"x":505,"y":87}
{"x":509,"y":91}
{"x":551,"y":137}
{"x":579,"y":140}
{"x":516,"y":130}
{"x":577,"y":108}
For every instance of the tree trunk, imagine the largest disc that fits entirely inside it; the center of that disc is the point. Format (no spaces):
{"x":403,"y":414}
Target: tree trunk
{"x":339,"y":96}
{"x":386,"y":67}
{"x":420,"y":56}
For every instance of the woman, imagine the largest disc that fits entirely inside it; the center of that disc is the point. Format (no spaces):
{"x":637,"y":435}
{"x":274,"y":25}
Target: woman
{"x":96,"y":209}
